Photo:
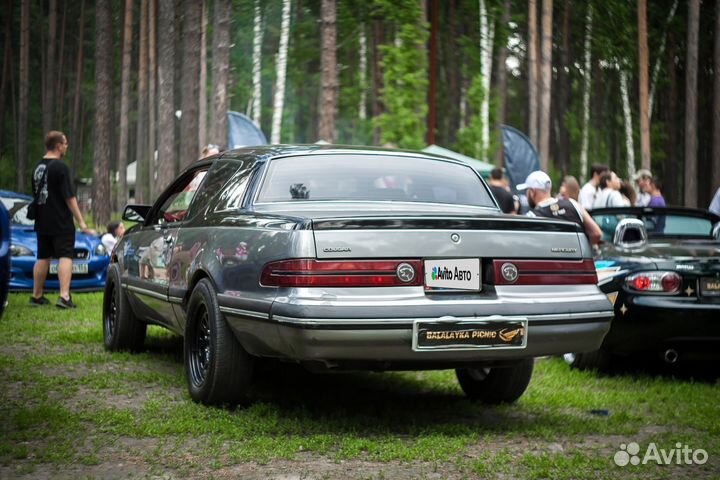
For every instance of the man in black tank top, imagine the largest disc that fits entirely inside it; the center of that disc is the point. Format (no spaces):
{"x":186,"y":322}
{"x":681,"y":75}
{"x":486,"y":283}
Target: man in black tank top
{"x":538,"y":186}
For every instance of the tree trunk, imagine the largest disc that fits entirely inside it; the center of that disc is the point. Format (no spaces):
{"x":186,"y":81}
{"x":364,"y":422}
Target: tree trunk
{"x":545,"y":85}
{"x":328,"y":72}
{"x":716,"y":103}
{"x":103,"y":112}
{"x":587,"y":86}
{"x":4,"y":83}
{"x":281,"y":71}
{"x":691,"y":193}
{"x":24,"y":98}
{"x":152,"y":100}
{"x":77,"y":97}
{"x":502,"y":85}
{"x":221,"y":66}
{"x":643,"y":84}
{"x":59,"y":92}
{"x":432,"y":83}
{"x":189,"y":148}
{"x":453,"y":69}
{"x":563,"y":93}
{"x":48,"y":114}
{"x":202,"y":91}
{"x":141,"y":160}
{"x":362,"y":74}
{"x":627,"y":115}
{"x":123,"y":143}
{"x":532,"y":55}
{"x":487,"y":34}
{"x":672,"y":189}
{"x":166,"y":94}
{"x":661,"y":51}
{"x":257,"y":65}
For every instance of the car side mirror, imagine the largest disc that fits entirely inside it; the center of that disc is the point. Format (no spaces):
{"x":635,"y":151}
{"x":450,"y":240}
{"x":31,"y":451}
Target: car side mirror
{"x":136,"y":213}
{"x":630,"y":233}
{"x":716,"y":232}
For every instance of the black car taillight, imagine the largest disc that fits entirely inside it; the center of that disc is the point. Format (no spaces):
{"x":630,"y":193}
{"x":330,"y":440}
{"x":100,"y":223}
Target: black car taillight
{"x":544,"y":272}
{"x":342,"y":273}
{"x":654,"y":282}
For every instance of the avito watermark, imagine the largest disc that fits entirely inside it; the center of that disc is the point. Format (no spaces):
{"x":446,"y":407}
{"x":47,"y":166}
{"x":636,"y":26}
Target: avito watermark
{"x":629,"y":454}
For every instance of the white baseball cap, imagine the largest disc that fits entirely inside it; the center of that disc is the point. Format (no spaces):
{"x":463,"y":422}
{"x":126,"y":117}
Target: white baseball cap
{"x":538,"y":180}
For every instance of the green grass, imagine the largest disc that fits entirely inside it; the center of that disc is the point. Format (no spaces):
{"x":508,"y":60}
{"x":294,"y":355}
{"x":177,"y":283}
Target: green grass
{"x":65,"y":401}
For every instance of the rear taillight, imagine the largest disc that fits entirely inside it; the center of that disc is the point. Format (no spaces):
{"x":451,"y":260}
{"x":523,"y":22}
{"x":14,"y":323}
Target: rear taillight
{"x":544,"y":272}
{"x":654,"y":282}
{"x":343,"y":273}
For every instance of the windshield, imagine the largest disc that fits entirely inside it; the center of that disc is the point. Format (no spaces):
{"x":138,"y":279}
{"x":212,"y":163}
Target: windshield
{"x":357,"y":177}
{"x":17,"y":210}
{"x":671,"y":225}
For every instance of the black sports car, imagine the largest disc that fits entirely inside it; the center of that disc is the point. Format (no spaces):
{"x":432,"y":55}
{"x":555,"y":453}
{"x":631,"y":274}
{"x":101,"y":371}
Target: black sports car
{"x":661,"y":269}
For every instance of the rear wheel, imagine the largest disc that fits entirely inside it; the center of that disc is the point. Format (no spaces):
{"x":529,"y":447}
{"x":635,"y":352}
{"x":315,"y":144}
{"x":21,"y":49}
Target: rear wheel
{"x":122,"y":330}
{"x":495,"y":385}
{"x":218,"y":369}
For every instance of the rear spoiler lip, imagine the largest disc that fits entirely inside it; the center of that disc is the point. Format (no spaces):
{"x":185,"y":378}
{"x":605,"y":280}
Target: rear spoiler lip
{"x":445,"y":223}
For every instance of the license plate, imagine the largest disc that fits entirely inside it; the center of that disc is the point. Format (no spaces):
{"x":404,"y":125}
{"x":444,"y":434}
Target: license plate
{"x":463,"y":335}
{"x":710,"y":286}
{"x":76,"y":268}
{"x":454,"y":274}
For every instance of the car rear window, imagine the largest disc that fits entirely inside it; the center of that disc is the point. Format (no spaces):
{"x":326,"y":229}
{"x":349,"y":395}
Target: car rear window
{"x":658,"y":225}
{"x":372,"y":178}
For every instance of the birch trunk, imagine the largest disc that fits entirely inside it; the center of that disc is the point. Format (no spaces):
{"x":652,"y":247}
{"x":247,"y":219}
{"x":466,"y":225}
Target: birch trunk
{"x":487,"y":33}
{"x":166,"y":94}
{"x":124,"y":108}
{"x":257,"y":65}
{"x":545,"y":84}
{"x":627,"y":115}
{"x":362,"y":74}
{"x":281,"y":70}
{"x":587,"y":81}
{"x":329,"y":75}
{"x":502,"y":86}
{"x":656,"y":67}
{"x":103,"y":113}
{"x":220,"y":69}
{"x":532,"y":54}
{"x":23,"y":94}
{"x":643,"y":84}
{"x":691,"y":74}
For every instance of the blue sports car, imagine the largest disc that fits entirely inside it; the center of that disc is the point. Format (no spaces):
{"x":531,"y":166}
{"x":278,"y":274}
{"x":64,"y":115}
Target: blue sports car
{"x":89,"y":263}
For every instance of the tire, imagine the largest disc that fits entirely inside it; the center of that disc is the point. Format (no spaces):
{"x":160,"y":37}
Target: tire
{"x":122,"y":330}
{"x":496,"y":385}
{"x":597,"y":360}
{"x":218,"y":370}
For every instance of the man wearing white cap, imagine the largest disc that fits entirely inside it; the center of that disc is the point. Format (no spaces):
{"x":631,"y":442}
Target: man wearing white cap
{"x":542,"y":204}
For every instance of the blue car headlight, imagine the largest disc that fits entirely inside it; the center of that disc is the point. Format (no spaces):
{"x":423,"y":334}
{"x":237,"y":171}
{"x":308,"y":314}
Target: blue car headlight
{"x":20,"y":251}
{"x":100,"y":250}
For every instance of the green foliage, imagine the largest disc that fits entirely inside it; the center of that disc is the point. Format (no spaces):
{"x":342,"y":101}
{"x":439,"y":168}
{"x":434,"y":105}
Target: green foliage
{"x":404,"y":67}
{"x":469,"y":139}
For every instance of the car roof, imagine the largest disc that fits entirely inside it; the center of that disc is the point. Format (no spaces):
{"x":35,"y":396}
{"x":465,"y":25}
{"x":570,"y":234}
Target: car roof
{"x":9,"y":194}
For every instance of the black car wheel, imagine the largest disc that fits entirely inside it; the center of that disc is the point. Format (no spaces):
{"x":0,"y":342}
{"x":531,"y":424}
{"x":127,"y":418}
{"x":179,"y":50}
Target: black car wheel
{"x":495,"y":385}
{"x":121,"y":329}
{"x":218,"y":369}
{"x":597,"y":360}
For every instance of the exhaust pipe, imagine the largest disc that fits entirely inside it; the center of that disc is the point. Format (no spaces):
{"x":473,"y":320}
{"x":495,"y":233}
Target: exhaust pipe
{"x":671,"y":356}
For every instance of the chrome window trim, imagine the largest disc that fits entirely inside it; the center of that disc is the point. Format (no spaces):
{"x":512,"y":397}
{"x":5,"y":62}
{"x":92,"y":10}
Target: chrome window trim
{"x":149,"y":293}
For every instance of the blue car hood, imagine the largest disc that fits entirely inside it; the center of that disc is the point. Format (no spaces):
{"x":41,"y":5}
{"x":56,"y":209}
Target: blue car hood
{"x":25,"y":235}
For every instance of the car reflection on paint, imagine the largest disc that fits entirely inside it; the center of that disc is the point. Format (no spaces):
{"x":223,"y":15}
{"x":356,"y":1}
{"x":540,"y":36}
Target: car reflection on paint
{"x":323,"y":256}
{"x":661,"y":269}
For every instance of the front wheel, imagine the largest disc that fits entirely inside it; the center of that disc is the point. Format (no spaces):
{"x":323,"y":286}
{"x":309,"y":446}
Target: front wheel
{"x":218,"y":369}
{"x":122,"y":330}
{"x":495,"y":385}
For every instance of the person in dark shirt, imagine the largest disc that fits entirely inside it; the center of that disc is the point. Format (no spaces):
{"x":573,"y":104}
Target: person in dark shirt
{"x":499,"y":190}
{"x":56,"y":206}
{"x":538,"y":186}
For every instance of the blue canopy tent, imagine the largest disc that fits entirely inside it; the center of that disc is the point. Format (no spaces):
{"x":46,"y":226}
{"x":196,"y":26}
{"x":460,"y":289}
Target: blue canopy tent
{"x":521,"y":157}
{"x":242,"y":132}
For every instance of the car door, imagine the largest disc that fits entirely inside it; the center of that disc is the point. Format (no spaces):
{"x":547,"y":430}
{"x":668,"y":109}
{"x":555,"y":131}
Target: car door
{"x":153,"y":247}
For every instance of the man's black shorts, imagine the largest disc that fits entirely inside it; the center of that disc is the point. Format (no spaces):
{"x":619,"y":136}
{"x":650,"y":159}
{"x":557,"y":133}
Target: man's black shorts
{"x":56,"y":246}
